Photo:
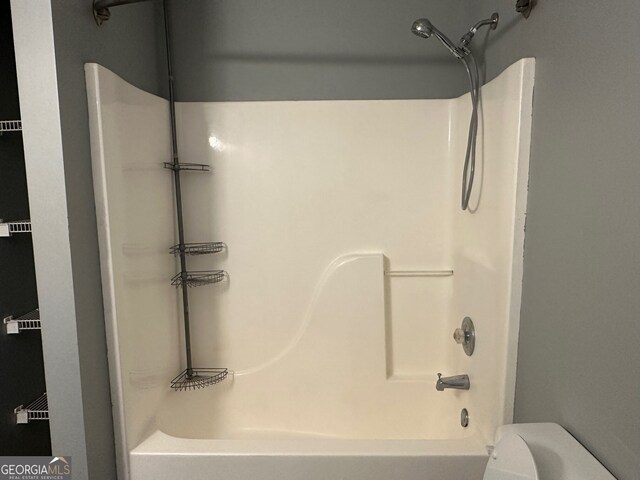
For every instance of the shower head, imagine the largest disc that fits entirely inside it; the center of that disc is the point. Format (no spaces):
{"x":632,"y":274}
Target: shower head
{"x":423,"y":28}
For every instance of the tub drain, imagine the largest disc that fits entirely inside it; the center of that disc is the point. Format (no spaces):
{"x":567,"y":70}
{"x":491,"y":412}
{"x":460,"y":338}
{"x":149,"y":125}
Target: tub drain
{"x":464,"y":418}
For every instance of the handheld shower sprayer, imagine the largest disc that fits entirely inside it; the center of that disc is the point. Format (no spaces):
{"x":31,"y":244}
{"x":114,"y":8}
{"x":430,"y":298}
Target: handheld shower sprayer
{"x":423,"y":28}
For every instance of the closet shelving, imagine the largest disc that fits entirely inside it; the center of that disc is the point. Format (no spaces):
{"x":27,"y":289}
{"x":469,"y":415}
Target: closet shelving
{"x":36,"y":410}
{"x":29,"y":321}
{"x":21,"y":356}
{"x":10,"y":126}
{"x":8,"y":229}
{"x":39,"y":408}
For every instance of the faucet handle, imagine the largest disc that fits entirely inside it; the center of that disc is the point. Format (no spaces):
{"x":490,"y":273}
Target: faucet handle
{"x":439,"y":376}
{"x":466,"y":336}
{"x":459,"y":335}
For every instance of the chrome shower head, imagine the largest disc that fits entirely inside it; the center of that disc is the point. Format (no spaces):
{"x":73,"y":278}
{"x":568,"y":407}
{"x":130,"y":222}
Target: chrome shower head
{"x":422,"y":28}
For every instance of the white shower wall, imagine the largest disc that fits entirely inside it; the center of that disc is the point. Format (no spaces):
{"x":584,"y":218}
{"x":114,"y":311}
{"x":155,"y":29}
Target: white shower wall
{"x":319,"y":204}
{"x":296,"y":185}
{"x":488,"y":241}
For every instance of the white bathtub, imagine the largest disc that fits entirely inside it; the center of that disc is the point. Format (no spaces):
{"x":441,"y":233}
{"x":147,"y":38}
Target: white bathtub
{"x":163,"y":457}
{"x":350,"y":265}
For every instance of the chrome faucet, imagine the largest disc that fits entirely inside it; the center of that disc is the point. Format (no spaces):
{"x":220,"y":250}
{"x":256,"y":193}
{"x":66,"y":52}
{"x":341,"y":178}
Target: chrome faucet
{"x":459,"y":382}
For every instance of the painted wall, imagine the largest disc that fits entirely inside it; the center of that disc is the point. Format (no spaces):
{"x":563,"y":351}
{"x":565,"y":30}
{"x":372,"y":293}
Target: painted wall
{"x":578,"y":354}
{"x":53,"y":40}
{"x":310,"y":50}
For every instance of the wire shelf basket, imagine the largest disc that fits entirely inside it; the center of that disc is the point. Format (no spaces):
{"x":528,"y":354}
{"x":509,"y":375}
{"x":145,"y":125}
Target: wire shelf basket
{"x":198,"y":378}
{"x":188,"y":167}
{"x":36,"y":410}
{"x":198,"y":279}
{"x":198,"y":248}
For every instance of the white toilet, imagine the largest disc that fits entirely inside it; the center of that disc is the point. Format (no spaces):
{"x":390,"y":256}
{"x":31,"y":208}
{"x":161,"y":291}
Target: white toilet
{"x":541,"y":451}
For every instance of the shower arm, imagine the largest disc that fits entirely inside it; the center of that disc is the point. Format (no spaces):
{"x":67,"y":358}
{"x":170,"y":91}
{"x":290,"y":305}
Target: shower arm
{"x":101,"y":11}
{"x":466,"y":38}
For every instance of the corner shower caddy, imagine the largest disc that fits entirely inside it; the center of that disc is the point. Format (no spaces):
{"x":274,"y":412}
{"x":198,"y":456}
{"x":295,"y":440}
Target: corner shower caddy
{"x":190,"y":378}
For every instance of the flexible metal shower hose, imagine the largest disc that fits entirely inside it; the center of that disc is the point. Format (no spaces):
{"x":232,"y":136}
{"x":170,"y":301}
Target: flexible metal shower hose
{"x":469,"y":169}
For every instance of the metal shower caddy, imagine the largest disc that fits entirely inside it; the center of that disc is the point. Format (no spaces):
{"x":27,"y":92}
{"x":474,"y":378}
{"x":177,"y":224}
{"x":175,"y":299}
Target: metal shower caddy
{"x":191,"y":378}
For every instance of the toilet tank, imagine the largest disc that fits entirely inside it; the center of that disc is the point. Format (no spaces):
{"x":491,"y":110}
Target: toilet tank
{"x":557,"y":455}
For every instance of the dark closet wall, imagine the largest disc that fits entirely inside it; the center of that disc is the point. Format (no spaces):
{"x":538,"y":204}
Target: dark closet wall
{"x":21,"y":366}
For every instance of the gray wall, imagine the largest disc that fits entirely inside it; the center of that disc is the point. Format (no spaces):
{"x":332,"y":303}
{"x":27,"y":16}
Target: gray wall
{"x":579,"y":355}
{"x":309,"y":49}
{"x":57,"y":150}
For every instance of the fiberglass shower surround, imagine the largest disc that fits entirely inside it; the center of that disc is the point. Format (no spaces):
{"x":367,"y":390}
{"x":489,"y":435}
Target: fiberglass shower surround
{"x":325,"y":335}
{"x":352,"y":267}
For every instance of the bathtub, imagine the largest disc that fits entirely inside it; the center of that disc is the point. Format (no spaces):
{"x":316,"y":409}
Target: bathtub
{"x":267,"y":456}
{"x":352,"y":418}
{"x":350,"y":265}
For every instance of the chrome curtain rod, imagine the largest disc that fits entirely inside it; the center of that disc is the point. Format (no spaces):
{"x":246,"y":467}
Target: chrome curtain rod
{"x":101,"y":8}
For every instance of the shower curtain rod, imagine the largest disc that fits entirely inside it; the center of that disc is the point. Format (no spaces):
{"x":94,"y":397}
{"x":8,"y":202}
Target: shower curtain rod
{"x":101,"y":8}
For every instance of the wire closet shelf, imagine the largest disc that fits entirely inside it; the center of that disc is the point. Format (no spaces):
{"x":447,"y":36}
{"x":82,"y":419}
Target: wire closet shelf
{"x":10,"y":126}
{"x":28,"y":321}
{"x":36,"y":410}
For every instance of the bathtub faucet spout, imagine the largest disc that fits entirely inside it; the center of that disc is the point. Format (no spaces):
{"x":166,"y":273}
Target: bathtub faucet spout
{"x":459,"y":382}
